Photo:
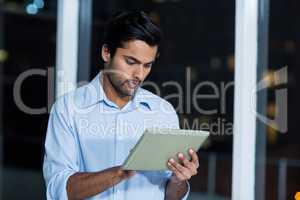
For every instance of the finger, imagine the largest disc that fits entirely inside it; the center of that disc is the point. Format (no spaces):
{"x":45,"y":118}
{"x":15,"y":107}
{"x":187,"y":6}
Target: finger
{"x":173,"y":168}
{"x":132,"y":173}
{"x":129,"y":173}
{"x":194,"y":156}
{"x":177,"y":173}
{"x":175,"y":165}
{"x":190,"y":165}
{"x":178,"y":166}
{"x":183,"y":170}
{"x":186,"y":162}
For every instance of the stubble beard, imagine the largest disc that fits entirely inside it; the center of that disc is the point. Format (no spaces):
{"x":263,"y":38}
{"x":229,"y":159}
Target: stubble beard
{"x":117,"y":85}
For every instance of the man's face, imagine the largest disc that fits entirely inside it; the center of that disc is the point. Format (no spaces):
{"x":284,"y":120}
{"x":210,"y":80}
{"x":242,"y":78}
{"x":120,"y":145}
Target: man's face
{"x":130,"y":66}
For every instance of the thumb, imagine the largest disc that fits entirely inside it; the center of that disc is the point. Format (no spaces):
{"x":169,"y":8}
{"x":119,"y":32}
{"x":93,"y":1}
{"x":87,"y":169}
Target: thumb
{"x":130,"y":173}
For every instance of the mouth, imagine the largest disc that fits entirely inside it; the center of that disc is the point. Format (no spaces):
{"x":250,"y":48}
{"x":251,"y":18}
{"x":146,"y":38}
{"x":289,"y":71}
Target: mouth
{"x":133,"y":84}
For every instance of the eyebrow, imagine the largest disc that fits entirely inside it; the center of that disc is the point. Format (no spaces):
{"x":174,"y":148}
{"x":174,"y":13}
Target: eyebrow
{"x":136,"y":60}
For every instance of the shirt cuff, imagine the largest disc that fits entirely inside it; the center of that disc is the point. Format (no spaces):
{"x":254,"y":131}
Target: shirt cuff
{"x":57,"y":188}
{"x":188,"y":191}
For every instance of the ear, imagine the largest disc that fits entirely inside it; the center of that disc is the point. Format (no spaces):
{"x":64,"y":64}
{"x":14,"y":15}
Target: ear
{"x":105,"y":53}
{"x":157,"y":55}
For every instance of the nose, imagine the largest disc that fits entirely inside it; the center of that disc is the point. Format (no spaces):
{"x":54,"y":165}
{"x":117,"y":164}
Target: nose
{"x":139,"y":72}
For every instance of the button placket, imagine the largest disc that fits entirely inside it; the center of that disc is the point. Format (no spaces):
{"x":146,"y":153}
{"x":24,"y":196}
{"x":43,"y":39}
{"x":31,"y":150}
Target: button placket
{"x":118,"y":137}
{"x":120,"y":127}
{"x":115,"y":133}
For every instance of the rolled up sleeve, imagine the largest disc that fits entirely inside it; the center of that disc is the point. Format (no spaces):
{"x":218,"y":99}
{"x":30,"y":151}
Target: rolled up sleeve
{"x":188,"y":191}
{"x":61,"y":157}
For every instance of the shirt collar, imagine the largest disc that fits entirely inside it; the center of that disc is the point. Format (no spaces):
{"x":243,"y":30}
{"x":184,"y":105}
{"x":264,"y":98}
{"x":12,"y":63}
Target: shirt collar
{"x":142,"y":97}
{"x":96,"y":94}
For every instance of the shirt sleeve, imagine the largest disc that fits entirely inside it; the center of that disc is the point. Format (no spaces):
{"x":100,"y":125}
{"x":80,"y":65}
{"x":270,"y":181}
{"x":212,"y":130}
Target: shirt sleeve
{"x":188,"y":191}
{"x":60,"y":159}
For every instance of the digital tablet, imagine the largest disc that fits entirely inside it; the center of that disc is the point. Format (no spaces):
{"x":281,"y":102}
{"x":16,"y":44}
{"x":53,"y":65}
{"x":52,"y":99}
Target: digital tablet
{"x":157,"y":146}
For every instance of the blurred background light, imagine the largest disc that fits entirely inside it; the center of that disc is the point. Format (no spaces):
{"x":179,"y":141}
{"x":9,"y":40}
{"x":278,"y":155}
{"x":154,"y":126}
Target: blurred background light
{"x":3,"y":55}
{"x":269,"y":77}
{"x":32,"y":9}
{"x":230,"y":63}
{"x":39,"y":3}
{"x":289,"y":46}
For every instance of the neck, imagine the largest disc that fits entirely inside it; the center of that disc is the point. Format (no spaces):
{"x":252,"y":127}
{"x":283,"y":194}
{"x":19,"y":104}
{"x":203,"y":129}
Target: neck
{"x":112,"y":94}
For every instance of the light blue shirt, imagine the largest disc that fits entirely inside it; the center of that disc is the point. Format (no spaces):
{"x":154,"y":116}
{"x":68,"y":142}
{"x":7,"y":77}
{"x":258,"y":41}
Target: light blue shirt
{"x":88,"y":133}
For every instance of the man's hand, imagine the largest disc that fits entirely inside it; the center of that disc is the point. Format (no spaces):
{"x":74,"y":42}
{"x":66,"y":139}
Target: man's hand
{"x":125,"y":174}
{"x":177,"y":186}
{"x":184,"y":171}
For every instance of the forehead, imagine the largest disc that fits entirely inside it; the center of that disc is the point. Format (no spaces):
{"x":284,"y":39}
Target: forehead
{"x":139,"y":50}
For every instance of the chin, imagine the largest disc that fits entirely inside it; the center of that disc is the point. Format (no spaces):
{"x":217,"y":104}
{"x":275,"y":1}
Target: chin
{"x":128,"y":93}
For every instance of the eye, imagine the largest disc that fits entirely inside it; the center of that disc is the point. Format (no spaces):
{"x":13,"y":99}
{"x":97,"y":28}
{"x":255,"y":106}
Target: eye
{"x":148,"y":65}
{"x":130,"y":62}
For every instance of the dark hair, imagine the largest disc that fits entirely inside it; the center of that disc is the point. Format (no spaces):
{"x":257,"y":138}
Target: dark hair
{"x":131,"y":25}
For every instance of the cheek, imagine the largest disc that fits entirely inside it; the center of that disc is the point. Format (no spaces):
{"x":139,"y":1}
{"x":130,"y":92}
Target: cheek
{"x":125,"y":71}
{"x":147,"y":72}
{"x":123,"y":66}
{"x":120,"y":67}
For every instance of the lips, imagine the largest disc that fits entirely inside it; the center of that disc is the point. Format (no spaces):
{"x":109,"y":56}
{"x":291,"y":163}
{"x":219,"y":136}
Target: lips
{"x":133,"y":83}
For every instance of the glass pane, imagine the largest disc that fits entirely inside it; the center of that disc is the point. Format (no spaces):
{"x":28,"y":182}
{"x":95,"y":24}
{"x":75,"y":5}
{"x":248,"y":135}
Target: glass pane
{"x":28,"y":47}
{"x":283,"y":159}
{"x":198,"y":56}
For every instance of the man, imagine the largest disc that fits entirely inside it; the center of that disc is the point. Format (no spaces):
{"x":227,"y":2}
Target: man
{"x":92,"y":129}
